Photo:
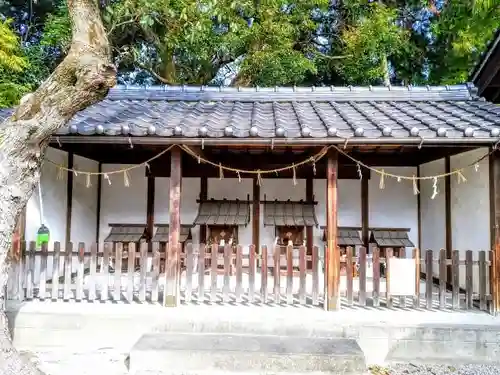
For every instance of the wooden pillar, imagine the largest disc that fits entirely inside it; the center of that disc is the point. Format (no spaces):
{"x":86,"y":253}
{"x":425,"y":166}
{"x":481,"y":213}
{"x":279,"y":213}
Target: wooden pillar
{"x":494,"y":170}
{"x":69,"y":198}
{"x":203,"y":197}
{"x":150,"y":209}
{"x":256,"y":215}
{"x":98,"y":205}
{"x":447,"y":205}
{"x":332,"y":255}
{"x":365,"y":212}
{"x":309,"y":229}
{"x":171,"y":295}
{"x":419,"y":211}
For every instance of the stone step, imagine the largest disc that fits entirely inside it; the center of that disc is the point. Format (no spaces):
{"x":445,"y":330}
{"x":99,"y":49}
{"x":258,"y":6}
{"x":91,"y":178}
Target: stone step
{"x":202,"y":353}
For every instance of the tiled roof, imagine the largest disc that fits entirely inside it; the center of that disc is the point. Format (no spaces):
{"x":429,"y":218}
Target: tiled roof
{"x":223,"y":212}
{"x":289,"y":213}
{"x":162,"y":233}
{"x":125,"y":233}
{"x":440,"y":112}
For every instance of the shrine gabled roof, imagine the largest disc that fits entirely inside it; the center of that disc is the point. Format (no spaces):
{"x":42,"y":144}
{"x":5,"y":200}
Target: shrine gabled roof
{"x":379,"y":114}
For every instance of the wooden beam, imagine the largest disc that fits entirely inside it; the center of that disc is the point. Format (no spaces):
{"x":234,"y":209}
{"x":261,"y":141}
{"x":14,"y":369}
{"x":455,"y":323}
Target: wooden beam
{"x":174,"y":248}
{"x":256,"y":214}
{"x":309,"y":229}
{"x":447,"y":205}
{"x":69,"y":197}
{"x":150,"y":209}
{"x":365,"y":212}
{"x":494,"y":164}
{"x":203,"y":197}
{"x":419,"y":211}
{"x":98,"y":206}
{"x":332,"y":255}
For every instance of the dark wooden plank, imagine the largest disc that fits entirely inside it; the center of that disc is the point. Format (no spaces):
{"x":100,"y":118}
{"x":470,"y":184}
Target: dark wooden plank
{"x":365,"y":212}
{"x":108,"y":247}
{"x":228,"y":254}
{"x":429,"y":258}
{"x":402,"y":299}
{"x":117,"y":285}
{"x":376,"y":277}
{"x":332,"y":255}
{"x":143,"y":271}
{"x":388,"y":255}
{"x":251,"y":274}
{"x":349,"y":276}
{"x":213,"y":273}
{"x":443,"y":276}
{"x":315,"y":275}
{"x":455,"y":279}
{"x":309,"y":229}
{"x":42,"y":290}
{"x":416,"y":297}
{"x":239,"y":273}
{"x":289,"y":275}
{"x":131,"y":256}
{"x":69,"y":197}
{"x":189,"y":271}
{"x":203,"y":197}
{"x":468,"y":280}
{"x":150,"y":207}
{"x":362,"y":276}
{"x":201,"y":273}
{"x":302,"y":275}
{"x":92,"y":272}
{"x":277,"y":258}
{"x":68,"y":267}
{"x":482,"y":281}
{"x":264,"y":271}
{"x":155,"y":278}
{"x":30,"y":269}
{"x":80,"y":272}
{"x":174,"y":246}
{"x":448,"y":222}
{"x":98,"y":207}
{"x":256,"y":213}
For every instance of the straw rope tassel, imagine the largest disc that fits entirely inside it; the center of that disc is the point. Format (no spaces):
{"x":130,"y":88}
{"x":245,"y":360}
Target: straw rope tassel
{"x":435,"y":191}
{"x":314,"y":165}
{"x":415,"y":186}
{"x":60,"y":173}
{"x":126,"y":179}
{"x":259,"y":178}
{"x":239,"y":176}
{"x":381,"y":185}
{"x":221,"y":172}
{"x":460,"y":177}
{"x":106,"y":177}
{"x":360,"y":173}
{"x":294,"y":175}
{"x":88,"y":182}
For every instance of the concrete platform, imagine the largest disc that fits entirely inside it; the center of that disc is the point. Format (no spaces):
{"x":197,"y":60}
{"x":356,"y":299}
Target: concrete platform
{"x":170,"y":353}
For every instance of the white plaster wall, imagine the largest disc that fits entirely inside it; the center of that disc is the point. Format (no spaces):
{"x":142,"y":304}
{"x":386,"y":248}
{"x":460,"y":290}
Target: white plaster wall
{"x":122,"y":204}
{"x":53,"y":200}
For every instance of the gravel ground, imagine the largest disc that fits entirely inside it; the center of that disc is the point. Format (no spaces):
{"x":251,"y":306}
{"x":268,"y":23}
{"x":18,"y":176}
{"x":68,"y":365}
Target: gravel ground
{"x":411,"y":369}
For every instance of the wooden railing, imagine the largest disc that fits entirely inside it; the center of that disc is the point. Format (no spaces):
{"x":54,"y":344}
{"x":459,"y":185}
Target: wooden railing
{"x":246,"y":274}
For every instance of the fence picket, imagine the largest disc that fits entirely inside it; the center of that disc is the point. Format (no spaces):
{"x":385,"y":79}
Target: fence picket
{"x":302,"y":275}
{"x":429,"y":259}
{"x":376,"y":276}
{"x":56,"y":261}
{"x":277,"y":273}
{"x":80,"y":271}
{"x":189,"y":262}
{"x":228,"y":254}
{"x":402,"y":299}
{"x":289,"y":275}
{"x":131,"y":256}
{"x":349,"y":271}
{"x":251,"y":274}
{"x":117,"y":286}
{"x":143,"y":268}
{"x":155,"y":277}
{"x":105,"y":271}
{"x":68,"y":268}
{"x":315,"y":275}
{"x":92,"y":272}
{"x":213,"y":274}
{"x":44,"y":254}
{"x":201,"y":273}
{"x":442,"y":278}
{"x":362,"y":275}
{"x":30,"y":273}
{"x":482,"y":281}
{"x":388,"y":296}
{"x":468,"y":279}
{"x":239,"y":273}
{"x":455,"y":279}
{"x":263,"y":274}
{"x":416,"y":297}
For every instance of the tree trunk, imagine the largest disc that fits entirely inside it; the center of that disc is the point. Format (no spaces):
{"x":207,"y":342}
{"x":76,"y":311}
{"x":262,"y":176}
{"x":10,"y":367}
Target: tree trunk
{"x":83,"y":78}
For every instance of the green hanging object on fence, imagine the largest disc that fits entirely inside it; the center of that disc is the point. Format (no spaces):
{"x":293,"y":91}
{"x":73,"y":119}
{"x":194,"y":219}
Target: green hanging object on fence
{"x":43,"y":235}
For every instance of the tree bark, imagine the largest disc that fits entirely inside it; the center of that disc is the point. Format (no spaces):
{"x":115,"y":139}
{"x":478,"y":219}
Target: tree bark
{"x":82,"y":79}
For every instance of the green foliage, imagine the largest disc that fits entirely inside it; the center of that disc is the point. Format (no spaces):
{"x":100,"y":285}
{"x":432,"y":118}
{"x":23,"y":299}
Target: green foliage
{"x":12,"y":64}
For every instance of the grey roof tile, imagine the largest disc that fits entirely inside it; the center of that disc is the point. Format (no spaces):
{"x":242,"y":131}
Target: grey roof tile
{"x":367,"y":112}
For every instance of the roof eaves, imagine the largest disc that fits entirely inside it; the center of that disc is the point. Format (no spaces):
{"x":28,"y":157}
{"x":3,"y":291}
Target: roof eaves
{"x":493,"y":43}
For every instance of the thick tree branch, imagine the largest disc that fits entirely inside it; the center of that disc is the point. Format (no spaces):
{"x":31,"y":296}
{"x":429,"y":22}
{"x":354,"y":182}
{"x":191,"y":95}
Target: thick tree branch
{"x":83,"y":78}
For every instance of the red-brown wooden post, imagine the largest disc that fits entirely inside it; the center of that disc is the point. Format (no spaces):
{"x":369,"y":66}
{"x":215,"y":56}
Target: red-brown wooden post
{"x":174,"y":248}
{"x":332,"y":255}
{"x":495,"y":229}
